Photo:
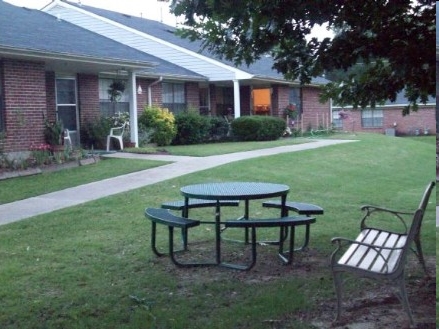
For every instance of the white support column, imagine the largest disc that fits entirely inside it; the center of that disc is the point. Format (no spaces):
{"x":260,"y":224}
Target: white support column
{"x":133,"y":108}
{"x":236,"y":98}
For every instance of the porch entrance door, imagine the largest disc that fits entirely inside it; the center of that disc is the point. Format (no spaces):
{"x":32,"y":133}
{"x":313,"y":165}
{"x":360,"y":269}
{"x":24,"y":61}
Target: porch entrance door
{"x":66,"y":106}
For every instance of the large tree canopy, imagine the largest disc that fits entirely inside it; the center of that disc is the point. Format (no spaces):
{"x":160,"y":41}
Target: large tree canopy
{"x":392,"y":40}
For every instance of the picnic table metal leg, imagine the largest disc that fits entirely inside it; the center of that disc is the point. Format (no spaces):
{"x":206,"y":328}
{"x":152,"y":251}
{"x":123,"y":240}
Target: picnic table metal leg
{"x":153,"y":239}
{"x":185,"y":214}
{"x":218,"y":231}
{"x":287,"y":257}
{"x":246,"y":217}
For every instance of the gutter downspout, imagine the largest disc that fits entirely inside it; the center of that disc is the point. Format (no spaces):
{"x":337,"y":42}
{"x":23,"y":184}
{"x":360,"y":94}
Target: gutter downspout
{"x":149,"y":90}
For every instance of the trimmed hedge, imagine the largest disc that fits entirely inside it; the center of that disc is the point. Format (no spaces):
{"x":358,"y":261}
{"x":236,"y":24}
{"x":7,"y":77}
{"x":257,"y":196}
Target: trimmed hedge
{"x":192,"y":128}
{"x":257,"y":128}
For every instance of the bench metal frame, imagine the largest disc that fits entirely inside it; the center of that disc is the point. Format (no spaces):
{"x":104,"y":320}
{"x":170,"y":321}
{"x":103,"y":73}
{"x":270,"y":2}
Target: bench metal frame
{"x":165,"y":217}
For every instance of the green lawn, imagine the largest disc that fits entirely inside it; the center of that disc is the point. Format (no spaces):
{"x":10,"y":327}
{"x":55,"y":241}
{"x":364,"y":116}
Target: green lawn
{"x":90,"y":266}
{"x":29,"y":186}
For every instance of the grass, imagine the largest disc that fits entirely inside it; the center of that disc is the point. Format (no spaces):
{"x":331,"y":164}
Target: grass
{"x":30,"y":186}
{"x":224,"y":148}
{"x":90,"y":266}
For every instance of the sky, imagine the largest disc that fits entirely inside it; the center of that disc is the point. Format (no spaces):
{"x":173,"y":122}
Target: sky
{"x":151,"y":9}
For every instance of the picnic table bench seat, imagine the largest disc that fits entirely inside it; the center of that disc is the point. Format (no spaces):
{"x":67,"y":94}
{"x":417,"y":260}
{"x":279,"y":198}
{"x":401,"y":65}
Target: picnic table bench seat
{"x":283,"y":222}
{"x":379,"y":253}
{"x":165,"y":217}
{"x":300,"y":208}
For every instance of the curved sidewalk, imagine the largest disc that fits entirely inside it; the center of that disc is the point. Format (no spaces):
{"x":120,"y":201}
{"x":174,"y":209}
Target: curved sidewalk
{"x":183,"y":165}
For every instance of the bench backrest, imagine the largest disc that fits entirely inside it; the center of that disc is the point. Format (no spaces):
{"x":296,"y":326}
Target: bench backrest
{"x":414,"y":231}
{"x":424,"y":201}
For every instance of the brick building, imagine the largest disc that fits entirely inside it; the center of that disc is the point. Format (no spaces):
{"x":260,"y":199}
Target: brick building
{"x":388,"y":119}
{"x":58,"y":63}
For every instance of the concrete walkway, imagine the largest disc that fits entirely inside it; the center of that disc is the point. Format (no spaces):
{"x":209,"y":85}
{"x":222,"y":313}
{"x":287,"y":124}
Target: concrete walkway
{"x":181,"y":165}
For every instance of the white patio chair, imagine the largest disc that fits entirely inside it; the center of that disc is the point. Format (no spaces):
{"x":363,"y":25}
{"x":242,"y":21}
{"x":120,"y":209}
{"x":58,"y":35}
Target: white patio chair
{"x":116,"y":133}
{"x":67,"y":138}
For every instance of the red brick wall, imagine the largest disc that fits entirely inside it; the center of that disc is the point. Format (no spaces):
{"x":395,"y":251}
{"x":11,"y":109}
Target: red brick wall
{"x":212,"y":92}
{"x":405,"y":125}
{"x":142,"y":99}
{"x":25,"y":103}
{"x":282,"y":101}
{"x":50,"y":96}
{"x":315,"y":114}
{"x":156,"y":94}
{"x":88,"y":97}
{"x":192,"y":96}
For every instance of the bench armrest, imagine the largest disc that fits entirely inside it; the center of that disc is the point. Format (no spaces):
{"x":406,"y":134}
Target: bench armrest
{"x":370,"y":210}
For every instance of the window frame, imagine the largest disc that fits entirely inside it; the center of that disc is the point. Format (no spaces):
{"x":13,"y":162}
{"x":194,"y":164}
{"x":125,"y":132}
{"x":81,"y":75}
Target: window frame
{"x":372,"y":118}
{"x":106,"y":106}
{"x":174,"y":96}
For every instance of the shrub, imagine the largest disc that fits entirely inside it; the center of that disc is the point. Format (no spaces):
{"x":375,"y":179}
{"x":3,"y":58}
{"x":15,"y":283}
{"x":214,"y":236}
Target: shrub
{"x":162,"y":122}
{"x":257,"y":128}
{"x":219,"y":129}
{"x":94,"y":133}
{"x":192,"y":128}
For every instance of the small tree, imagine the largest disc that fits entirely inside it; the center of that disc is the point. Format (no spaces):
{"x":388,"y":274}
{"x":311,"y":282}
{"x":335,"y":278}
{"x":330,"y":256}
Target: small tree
{"x":162,"y":122}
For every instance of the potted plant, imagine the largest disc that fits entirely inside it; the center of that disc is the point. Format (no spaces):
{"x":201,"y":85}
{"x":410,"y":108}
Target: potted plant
{"x":291,"y":112}
{"x":53,"y":133}
{"x":116,"y":90}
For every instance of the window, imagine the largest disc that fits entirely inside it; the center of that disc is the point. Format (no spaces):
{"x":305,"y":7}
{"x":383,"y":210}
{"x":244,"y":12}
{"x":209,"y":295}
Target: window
{"x":107,"y":107}
{"x":372,"y":118}
{"x":66,"y":102}
{"x":225,"y":101}
{"x":204,"y":100}
{"x":294,"y":98}
{"x":173,"y":97}
{"x":337,"y":122}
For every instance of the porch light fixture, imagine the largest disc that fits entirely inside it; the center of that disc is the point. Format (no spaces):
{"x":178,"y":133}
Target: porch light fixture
{"x":139,"y":90}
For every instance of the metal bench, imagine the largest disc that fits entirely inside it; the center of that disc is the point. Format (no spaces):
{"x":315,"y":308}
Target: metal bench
{"x":165,"y":217}
{"x":282,"y":222}
{"x":380,"y":253}
{"x":301,"y":209}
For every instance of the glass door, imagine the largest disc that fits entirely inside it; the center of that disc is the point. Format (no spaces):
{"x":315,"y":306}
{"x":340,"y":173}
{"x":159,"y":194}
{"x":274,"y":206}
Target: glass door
{"x":66,"y":106}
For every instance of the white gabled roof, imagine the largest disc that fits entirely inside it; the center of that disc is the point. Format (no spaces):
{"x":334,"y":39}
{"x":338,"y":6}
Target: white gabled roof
{"x":212,"y":69}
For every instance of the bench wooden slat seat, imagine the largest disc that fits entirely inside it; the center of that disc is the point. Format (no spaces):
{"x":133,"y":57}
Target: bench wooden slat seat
{"x":165,"y":217}
{"x":283,"y":222}
{"x":379,"y":253}
{"x":300,"y":208}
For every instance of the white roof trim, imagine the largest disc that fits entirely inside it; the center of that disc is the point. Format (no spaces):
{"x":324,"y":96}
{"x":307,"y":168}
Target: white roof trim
{"x":239,"y":74}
